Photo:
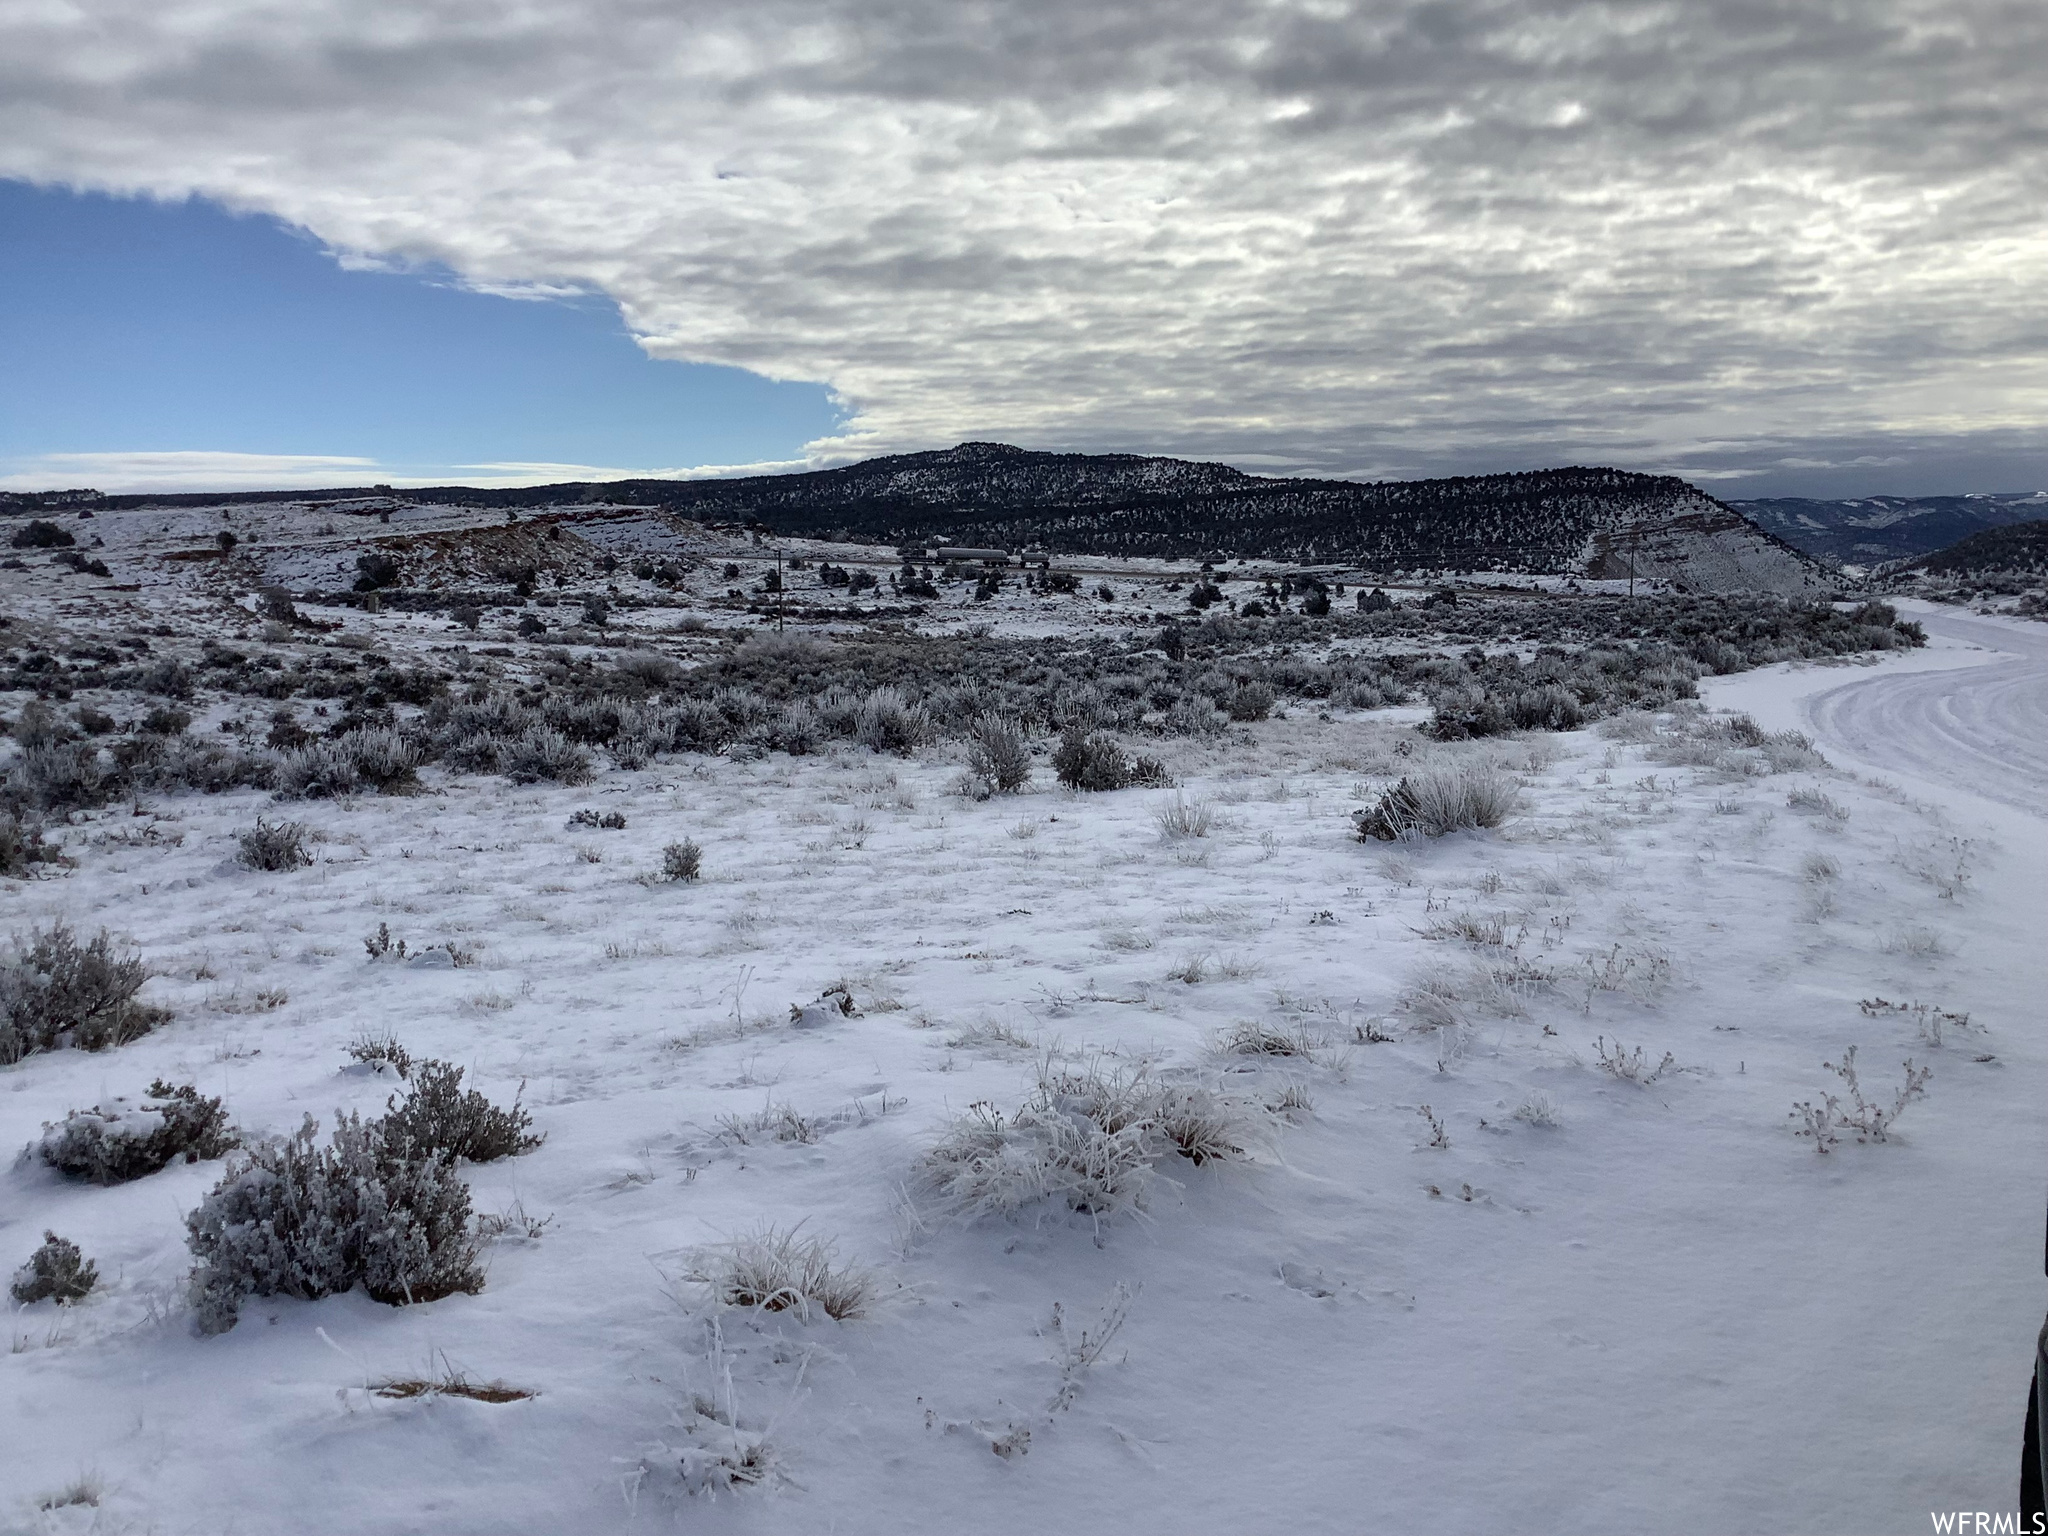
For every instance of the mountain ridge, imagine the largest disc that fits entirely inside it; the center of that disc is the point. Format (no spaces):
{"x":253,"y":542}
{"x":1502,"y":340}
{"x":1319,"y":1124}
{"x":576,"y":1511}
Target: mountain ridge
{"x":1875,"y":530}
{"x":1577,"y":520}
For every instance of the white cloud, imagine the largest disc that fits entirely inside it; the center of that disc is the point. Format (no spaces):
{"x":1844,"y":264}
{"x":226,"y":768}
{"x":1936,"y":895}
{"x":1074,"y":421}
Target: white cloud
{"x":116,"y":473}
{"x":1370,"y":238}
{"x":183,"y":471}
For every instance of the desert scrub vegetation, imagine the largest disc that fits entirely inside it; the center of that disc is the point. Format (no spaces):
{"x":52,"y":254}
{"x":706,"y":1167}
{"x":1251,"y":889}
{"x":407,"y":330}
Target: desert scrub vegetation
{"x":682,"y":862}
{"x":381,"y":1052}
{"x":438,"y":1116}
{"x":56,"y":992}
{"x":23,"y":847}
{"x":118,"y":1143}
{"x":1091,"y":760}
{"x":57,"y":1271}
{"x":778,"y":1270}
{"x":1864,"y":1118}
{"x":294,"y":1218}
{"x":272,"y":846}
{"x":1086,"y":1137}
{"x":1181,"y":818}
{"x":1435,"y":801}
{"x":892,"y":692}
{"x":1732,"y":745}
{"x":997,"y":754}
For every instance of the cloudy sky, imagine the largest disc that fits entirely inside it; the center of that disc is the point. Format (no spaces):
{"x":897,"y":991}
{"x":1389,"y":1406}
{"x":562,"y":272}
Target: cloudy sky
{"x":1776,"y":245}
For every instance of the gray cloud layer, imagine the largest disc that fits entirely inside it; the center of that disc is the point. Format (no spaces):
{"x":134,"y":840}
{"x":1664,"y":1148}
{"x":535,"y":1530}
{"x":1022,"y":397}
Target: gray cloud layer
{"x":1388,"y":237}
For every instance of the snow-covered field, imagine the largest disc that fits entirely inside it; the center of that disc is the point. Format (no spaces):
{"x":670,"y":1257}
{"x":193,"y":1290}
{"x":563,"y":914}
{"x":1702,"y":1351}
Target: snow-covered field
{"x":1606,"y":1305}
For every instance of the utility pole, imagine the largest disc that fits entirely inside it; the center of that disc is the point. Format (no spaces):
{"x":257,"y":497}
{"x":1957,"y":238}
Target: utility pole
{"x":781,"y":598}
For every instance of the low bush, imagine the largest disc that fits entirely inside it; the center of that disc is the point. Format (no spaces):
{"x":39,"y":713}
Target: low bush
{"x":439,"y":1116}
{"x":381,"y":1052}
{"x":779,"y":1271}
{"x":173,"y":764}
{"x":889,"y":722}
{"x":119,"y":1144}
{"x":22,"y":847}
{"x":1866,"y":1120}
{"x":273,"y":847}
{"x":56,"y":992}
{"x":541,"y":752}
{"x":59,"y":776}
{"x":682,"y":861}
{"x":1182,"y":818}
{"x":1086,"y":1138}
{"x":57,"y":1271}
{"x":997,"y":754}
{"x":1248,"y":701}
{"x":1090,"y":760}
{"x":1433,"y":802}
{"x":294,"y":1218}
{"x":39,"y":533}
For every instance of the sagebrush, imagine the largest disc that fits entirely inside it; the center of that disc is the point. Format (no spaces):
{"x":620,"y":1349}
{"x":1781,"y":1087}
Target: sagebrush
{"x":112,"y":1145}
{"x":56,"y":992}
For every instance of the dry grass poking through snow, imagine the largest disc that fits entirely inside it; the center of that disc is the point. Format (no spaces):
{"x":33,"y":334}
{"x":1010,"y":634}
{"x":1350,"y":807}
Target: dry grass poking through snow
{"x":1086,"y":1136}
{"x":778,"y":1270}
{"x":1432,"y":802}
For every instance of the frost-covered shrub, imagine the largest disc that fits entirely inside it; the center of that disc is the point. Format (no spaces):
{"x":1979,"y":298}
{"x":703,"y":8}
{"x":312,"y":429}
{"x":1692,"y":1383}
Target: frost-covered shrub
{"x":477,"y":752}
{"x":987,"y":1165}
{"x":1182,"y":818}
{"x":38,"y":725}
{"x":1193,"y":715}
{"x":1248,"y":701}
{"x":55,"y":992}
{"x":115,"y":1145}
{"x":1868,"y":1121}
{"x":1204,"y":1126}
{"x":293,"y":1218}
{"x":179,"y":763}
{"x":543,"y":753}
{"x":376,"y":757}
{"x":440,"y":1116}
{"x":682,"y":861}
{"x":1085,"y":1137}
{"x":380,"y":1052}
{"x":1467,"y":712}
{"x":781,"y":1271}
{"x":1089,"y":760}
{"x":797,"y":729}
{"x":317,"y":771}
{"x":273,"y":846}
{"x":383,"y":758}
{"x":1435,"y":801}
{"x":1812,"y":802}
{"x":888,"y":722}
{"x":22,"y":847}
{"x":997,"y":753}
{"x":60,"y":776}
{"x":57,"y":1271}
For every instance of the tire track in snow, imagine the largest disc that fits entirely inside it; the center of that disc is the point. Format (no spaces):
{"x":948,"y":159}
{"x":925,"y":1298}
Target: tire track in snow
{"x":1982,"y":730}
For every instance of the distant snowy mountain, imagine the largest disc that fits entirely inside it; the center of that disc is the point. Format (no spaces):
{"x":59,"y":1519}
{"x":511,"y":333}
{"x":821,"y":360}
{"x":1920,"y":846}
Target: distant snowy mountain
{"x":1883,"y":528}
{"x":2018,"y":549}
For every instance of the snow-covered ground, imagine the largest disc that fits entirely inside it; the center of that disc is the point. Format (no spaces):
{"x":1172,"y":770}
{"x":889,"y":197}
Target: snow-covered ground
{"x":1663,"y":1311}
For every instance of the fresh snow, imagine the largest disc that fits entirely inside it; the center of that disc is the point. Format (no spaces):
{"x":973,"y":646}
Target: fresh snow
{"x":1664,"y":1312}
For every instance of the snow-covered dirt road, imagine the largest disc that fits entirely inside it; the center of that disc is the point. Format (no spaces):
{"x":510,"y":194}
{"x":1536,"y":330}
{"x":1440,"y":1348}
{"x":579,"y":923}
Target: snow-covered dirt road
{"x":1983,"y":731}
